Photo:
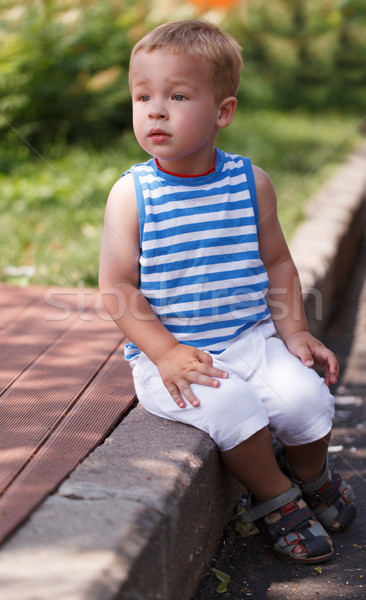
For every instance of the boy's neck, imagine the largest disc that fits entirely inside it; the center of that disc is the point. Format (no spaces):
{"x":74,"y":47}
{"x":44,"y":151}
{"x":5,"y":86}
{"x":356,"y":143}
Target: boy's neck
{"x":206,"y":172}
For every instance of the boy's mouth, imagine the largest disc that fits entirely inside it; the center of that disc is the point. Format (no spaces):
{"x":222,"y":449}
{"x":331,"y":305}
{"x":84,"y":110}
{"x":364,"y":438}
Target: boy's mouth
{"x":158,"y":135}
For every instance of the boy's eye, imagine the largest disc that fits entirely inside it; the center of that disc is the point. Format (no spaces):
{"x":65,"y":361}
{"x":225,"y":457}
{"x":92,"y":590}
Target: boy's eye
{"x":145,"y":98}
{"x":179,"y":97}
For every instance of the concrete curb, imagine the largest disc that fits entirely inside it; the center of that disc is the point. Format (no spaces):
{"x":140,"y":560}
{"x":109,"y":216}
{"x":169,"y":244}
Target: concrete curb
{"x":140,"y":516}
{"x":135,"y":521}
{"x":325,"y":244}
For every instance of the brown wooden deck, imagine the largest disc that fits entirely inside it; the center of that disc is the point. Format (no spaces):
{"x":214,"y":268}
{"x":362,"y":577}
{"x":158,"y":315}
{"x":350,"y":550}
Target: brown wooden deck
{"x":63,"y":387}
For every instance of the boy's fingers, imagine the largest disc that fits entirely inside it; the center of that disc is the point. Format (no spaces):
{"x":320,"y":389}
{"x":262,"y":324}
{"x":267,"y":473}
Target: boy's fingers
{"x":329,"y":363}
{"x":333,"y":365}
{"x":175,"y":394}
{"x":305,"y":356}
{"x":332,"y":372}
{"x":201,"y":379}
{"x":204,"y":357}
{"x":213,"y":371}
{"x":189,"y":395}
{"x":183,"y":388}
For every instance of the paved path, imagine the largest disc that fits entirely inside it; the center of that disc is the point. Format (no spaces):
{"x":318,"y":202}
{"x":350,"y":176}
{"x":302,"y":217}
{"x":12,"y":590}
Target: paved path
{"x":249,"y":561}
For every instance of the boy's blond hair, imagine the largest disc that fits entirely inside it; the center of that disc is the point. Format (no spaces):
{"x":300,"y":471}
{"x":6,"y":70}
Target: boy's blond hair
{"x":199,"y":38}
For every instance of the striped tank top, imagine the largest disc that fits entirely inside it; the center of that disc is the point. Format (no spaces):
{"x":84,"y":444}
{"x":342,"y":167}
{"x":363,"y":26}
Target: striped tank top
{"x":200,"y":268}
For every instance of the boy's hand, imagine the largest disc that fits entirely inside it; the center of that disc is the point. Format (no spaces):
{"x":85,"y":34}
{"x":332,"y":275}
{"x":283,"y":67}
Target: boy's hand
{"x":182,"y":365}
{"x":312,"y":352}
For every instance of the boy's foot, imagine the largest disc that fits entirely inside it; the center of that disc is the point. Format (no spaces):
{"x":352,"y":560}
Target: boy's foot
{"x":330,"y":498}
{"x":291,"y":528}
{"x":276,"y":515}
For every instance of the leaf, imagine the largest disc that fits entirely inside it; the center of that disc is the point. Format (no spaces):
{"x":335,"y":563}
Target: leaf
{"x":222,"y":587}
{"x":245,"y":529}
{"x":317,"y":570}
{"x":223,"y":577}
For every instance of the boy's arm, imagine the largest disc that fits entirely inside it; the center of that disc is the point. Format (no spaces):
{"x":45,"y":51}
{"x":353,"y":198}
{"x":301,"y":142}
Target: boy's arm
{"x":178,"y":365}
{"x":284,"y":295}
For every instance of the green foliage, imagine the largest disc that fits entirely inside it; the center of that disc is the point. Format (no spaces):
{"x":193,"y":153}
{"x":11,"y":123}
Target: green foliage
{"x":299,"y":151}
{"x":63,"y":73}
{"x":304,"y":53}
{"x":64,"y":63}
{"x":52,"y":210}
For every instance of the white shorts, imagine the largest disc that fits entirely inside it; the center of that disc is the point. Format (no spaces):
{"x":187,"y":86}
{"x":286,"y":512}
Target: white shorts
{"x":267,"y":385}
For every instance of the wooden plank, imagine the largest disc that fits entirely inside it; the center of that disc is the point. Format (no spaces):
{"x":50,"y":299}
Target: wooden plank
{"x":85,"y":426}
{"x":14,"y":299}
{"x":38,"y":400}
{"x":37,"y":327}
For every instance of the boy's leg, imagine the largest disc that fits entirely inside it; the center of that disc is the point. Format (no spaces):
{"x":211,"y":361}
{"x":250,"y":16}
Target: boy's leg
{"x":331,"y":498}
{"x":307,"y":460}
{"x":230,"y":414}
{"x":300,"y":409}
{"x":254,"y":464}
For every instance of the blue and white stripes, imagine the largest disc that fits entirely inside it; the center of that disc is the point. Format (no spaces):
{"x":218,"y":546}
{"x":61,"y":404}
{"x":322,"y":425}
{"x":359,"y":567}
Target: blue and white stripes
{"x":200,"y":268}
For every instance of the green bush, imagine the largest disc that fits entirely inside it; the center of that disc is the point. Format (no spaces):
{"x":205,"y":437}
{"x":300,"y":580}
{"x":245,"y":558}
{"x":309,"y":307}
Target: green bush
{"x":63,"y":74}
{"x":63,"y":69}
{"x":304,"y":53}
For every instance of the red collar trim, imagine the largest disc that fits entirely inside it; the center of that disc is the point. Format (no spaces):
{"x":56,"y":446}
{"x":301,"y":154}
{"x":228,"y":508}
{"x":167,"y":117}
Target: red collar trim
{"x":187,"y":176}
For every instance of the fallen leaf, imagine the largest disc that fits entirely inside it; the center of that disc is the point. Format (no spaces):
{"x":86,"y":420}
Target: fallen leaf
{"x":223,"y":577}
{"x":245,"y":529}
{"x":318,"y":570}
{"x":222,"y":587}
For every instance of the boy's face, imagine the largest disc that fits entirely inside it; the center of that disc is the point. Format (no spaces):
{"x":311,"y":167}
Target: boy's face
{"x":175,"y":114}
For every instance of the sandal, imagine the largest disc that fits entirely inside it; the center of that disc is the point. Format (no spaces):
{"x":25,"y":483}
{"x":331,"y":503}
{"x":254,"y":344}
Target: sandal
{"x":292,"y":528}
{"x":329,"y":499}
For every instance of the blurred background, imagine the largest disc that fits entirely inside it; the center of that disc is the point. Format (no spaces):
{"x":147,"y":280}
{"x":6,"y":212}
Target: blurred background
{"x":65,"y":116}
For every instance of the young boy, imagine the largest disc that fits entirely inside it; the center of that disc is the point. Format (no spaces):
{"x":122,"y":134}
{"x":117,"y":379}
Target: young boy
{"x":195,"y":271}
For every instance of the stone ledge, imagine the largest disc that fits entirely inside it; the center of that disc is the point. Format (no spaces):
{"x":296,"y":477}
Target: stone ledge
{"x":325,"y":244}
{"x":137,"y":520}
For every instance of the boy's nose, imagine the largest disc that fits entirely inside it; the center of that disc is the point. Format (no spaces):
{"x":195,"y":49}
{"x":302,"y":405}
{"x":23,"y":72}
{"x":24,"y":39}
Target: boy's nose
{"x":157,"y":112}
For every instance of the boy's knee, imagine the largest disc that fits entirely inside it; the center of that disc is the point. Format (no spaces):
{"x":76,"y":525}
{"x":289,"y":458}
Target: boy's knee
{"x":230,"y":413}
{"x":233,"y":396}
{"x":306,"y":415}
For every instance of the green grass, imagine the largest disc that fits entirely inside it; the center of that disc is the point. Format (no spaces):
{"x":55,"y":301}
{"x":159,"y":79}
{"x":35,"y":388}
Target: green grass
{"x":52,"y":206}
{"x":299,"y":151}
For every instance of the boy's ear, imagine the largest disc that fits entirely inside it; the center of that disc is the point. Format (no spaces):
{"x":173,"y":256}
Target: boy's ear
{"x":226,"y":111}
